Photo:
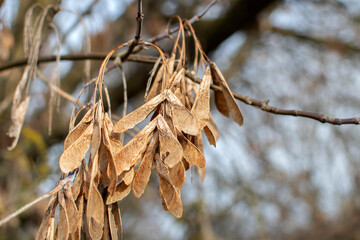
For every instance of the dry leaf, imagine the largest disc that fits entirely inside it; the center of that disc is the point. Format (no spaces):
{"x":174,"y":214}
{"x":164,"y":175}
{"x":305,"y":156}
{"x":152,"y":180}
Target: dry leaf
{"x":176,"y":78}
{"x":201,"y":107}
{"x":178,"y":87}
{"x":79,"y":181}
{"x":80,"y":128}
{"x":63,"y":230}
{"x":183,"y":118}
{"x":18,"y":109}
{"x":106,"y":227}
{"x":137,"y":116}
{"x":95,"y":212}
{"x":171,"y":64}
{"x":73,"y":155}
{"x":71,"y":210}
{"x":96,"y":135}
{"x":143,"y":172}
{"x":177,"y":175}
{"x":157,"y":85}
{"x":211,"y":131}
{"x":198,"y":142}
{"x":225,"y":101}
{"x":81,"y":205}
{"x":129,"y":176}
{"x":121,"y":191}
{"x":47,"y":228}
{"x":128,"y":155}
{"x":191,"y":153}
{"x":190,"y":88}
{"x":161,"y":169}
{"x":170,"y":149}
{"x":115,"y":221}
{"x":17,"y":119}
{"x":95,"y":205}
{"x":113,"y":145}
{"x":186,"y":164}
{"x":167,"y":114}
{"x":104,"y":157}
{"x":171,"y":197}
{"x":112,"y":174}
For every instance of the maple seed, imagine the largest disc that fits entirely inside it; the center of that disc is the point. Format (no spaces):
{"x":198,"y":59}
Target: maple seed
{"x":225,"y":101}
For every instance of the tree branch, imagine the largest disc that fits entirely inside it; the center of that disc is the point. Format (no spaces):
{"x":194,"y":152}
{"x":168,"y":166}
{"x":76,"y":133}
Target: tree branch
{"x":173,"y":30}
{"x":29,"y":205}
{"x":139,"y":20}
{"x":137,"y":38}
{"x":263,"y":105}
{"x":78,"y":57}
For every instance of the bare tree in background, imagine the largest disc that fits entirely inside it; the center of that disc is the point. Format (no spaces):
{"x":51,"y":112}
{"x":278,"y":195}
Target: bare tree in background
{"x":277,"y":177}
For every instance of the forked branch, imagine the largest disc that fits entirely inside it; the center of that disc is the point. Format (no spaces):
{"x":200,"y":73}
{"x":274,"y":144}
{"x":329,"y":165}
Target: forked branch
{"x":137,"y":38}
{"x":173,"y":30}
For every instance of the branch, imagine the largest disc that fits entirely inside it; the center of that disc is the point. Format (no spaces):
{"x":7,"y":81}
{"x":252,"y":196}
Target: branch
{"x":197,"y":17}
{"x":263,"y":105}
{"x":139,"y":20}
{"x":78,"y":57}
{"x":59,"y":91}
{"x":193,"y":20}
{"x":137,"y":39}
{"x":29,"y":205}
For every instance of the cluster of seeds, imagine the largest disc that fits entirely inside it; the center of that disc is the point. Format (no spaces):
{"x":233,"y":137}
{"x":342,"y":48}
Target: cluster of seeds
{"x":170,"y":143}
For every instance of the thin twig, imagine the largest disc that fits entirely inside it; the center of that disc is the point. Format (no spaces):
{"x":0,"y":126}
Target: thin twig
{"x":137,"y":38}
{"x":78,"y":57}
{"x":123,"y":77}
{"x":153,"y":71}
{"x":263,"y":105}
{"x":59,"y":91}
{"x":192,"y":20}
{"x":66,"y":95}
{"x":197,"y":17}
{"x":29,"y":205}
{"x":139,"y":20}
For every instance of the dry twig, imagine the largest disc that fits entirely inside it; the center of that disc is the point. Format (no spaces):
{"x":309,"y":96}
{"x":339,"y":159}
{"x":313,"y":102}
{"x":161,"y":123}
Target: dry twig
{"x":264,"y":105}
{"x":39,"y":199}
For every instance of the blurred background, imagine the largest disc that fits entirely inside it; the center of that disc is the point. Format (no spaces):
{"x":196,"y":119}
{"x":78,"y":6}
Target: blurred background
{"x":277,"y":177}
